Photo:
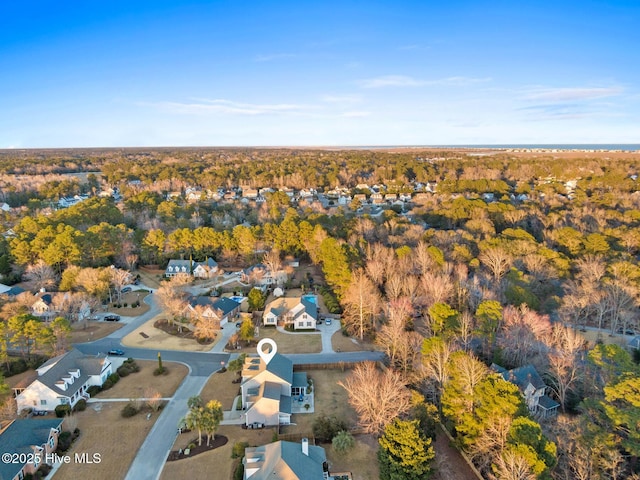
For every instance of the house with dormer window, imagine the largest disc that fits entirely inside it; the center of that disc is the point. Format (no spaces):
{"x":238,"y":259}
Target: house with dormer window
{"x":270,"y":386}
{"x":63,"y":380}
{"x":299,"y":312}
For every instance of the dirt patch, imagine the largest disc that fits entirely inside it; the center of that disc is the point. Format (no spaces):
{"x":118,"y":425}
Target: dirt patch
{"x":176,"y":331}
{"x":449,"y":462}
{"x":116,"y":439}
{"x":135,"y":385}
{"x":217,"y":442}
{"x":605,"y":337}
{"x":93,"y":330}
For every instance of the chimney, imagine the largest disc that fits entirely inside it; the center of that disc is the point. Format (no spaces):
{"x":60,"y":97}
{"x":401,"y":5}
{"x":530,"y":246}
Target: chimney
{"x":305,"y":446}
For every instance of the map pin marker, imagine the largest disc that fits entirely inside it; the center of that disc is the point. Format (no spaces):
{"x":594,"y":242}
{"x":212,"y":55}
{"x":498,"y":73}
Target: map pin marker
{"x":267,"y":356}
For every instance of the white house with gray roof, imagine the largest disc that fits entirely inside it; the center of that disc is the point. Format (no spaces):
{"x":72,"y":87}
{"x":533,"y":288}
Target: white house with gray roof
{"x":533,"y":389}
{"x":286,"y":461}
{"x":206,"y":269}
{"x":63,"y":380}
{"x":269,"y":386}
{"x":300,"y":312}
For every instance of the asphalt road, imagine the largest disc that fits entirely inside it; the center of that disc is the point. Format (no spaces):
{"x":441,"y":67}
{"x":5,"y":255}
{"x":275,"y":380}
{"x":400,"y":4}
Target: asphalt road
{"x":149,"y":461}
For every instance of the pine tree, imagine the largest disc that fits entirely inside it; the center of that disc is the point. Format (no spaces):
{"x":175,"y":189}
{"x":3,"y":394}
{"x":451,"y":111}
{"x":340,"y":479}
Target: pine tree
{"x":405,"y":454}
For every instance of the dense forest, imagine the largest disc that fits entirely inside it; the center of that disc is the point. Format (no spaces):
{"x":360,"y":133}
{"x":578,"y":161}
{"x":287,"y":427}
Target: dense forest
{"x":491,"y":260}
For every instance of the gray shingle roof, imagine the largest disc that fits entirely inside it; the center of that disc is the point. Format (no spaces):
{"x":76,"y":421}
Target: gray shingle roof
{"x":522,"y":376}
{"x":285,"y":460}
{"x":226,"y":305}
{"x":73,"y":360}
{"x":282,"y":367}
{"x":20,"y":436}
{"x":548,"y":403}
{"x":299,"y":379}
{"x":271,"y":390}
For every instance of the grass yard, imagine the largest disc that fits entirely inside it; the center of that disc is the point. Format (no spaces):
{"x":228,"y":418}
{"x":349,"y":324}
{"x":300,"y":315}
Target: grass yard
{"x":219,"y":387}
{"x":362,"y":461}
{"x":340,"y":343}
{"x":289,"y":342}
{"x":92,"y":331}
{"x":129,"y":298}
{"x":135,"y":384}
{"x":116,"y":439}
{"x":216,"y":464}
{"x":330,"y":399}
{"x":155,"y":338}
{"x":593,"y":336}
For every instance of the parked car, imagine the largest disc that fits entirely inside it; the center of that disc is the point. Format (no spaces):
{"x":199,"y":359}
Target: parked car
{"x":37,"y":413}
{"x":327,"y":321}
{"x":112,"y":318}
{"x":116,"y":351}
{"x":126,"y":289}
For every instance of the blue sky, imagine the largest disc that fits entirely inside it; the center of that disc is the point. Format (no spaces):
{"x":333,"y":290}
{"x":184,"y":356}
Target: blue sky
{"x":187,"y":73}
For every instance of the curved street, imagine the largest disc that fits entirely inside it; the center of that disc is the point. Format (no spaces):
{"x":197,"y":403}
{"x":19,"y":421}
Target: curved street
{"x":149,"y":461}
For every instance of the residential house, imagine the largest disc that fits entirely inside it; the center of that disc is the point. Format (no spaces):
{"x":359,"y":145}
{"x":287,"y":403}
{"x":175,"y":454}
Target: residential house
{"x":220,"y":309}
{"x":260,"y":276}
{"x":33,"y":440}
{"x":250,"y":193}
{"x":286,"y":460}
{"x":206,"y":269}
{"x":268,"y":385}
{"x":43,"y":307}
{"x":300,"y":312}
{"x":533,"y":389}
{"x":63,"y":380}
{"x":10,"y":292}
{"x":377,"y":198}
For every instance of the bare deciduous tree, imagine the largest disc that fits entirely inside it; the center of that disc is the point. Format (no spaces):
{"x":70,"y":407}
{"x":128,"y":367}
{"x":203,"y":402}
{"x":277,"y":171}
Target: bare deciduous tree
{"x":497,"y":260}
{"x":272,"y":261}
{"x":153,"y":398}
{"x":377,"y":397}
{"x":361,"y":304}
{"x":40,"y":275}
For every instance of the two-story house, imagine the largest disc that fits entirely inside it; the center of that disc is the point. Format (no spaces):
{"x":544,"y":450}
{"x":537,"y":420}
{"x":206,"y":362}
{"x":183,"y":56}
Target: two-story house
{"x":220,"y":309}
{"x":300,"y":312}
{"x":206,"y":269}
{"x":268,"y":385}
{"x":33,"y":440}
{"x":533,"y":389}
{"x":281,"y":459}
{"x":63,"y":380}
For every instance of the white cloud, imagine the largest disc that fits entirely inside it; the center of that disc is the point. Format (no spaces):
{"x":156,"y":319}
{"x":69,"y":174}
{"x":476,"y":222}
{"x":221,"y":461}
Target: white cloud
{"x":572,"y":94}
{"x":204,"y":106}
{"x":405,"y":81}
{"x":391,"y":81}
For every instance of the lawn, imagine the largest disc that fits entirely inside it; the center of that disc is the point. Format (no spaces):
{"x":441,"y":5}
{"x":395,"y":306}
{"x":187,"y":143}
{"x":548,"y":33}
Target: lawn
{"x":217,"y":463}
{"x":219,"y":387}
{"x":115,"y":438}
{"x":135,"y":384}
{"x":289,"y":342}
{"x":128,"y":299}
{"x":148,"y":336}
{"x":330,"y":399}
{"x":340,"y":343}
{"x":92,"y":331}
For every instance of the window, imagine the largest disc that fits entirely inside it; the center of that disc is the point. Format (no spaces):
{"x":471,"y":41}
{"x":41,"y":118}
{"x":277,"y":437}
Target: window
{"x":51,"y":441}
{"x":43,"y":402}
{"x":308,"y":324}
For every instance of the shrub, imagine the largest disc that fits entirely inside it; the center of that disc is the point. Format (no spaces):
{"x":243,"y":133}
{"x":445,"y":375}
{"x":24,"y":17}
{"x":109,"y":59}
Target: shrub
{"x":110,"y":381}
{"x":342,"y":442}
{"x":93,"y":390}
{"x":62,"y":411}
{"x":81,"y":406}
{"x":326,"y":427}
{"x":125,"y":305}
{"x":239,"y":473}
{"x":129,"y":410}
{"x":64,"y":442}
{"x":160,"y":371}
{"x":123,"y":371}
{"x":237,"y":451}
